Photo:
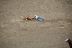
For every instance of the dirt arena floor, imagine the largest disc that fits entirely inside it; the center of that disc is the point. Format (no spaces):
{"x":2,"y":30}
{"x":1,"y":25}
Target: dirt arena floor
{"x":50,"y":33}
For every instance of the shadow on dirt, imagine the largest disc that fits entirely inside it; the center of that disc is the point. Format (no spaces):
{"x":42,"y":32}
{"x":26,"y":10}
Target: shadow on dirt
{"x":69,"y":2}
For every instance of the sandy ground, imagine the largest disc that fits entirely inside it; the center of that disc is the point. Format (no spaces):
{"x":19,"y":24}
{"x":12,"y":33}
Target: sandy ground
{"x":50,"y":33}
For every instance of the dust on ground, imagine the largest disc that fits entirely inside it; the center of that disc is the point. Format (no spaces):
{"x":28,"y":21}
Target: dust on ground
{"x":50,"y":33}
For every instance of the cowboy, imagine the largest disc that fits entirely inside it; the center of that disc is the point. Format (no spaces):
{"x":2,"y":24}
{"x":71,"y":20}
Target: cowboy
{"x":38,"y":18}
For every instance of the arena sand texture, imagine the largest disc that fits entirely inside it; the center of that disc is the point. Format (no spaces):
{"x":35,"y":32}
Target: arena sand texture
{"x":50,"y":33}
